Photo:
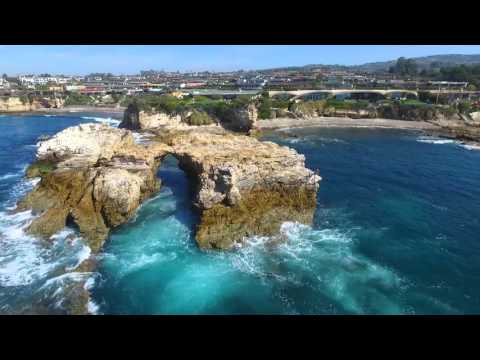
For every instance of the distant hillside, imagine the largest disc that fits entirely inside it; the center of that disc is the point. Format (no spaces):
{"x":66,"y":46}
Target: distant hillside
{"x":423,"y":62}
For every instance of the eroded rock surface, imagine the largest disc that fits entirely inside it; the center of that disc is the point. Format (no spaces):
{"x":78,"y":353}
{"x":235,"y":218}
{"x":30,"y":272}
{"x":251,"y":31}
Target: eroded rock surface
{"x":244,"y":187}
{"x":134,"y":119}
{"x":97,"y":178}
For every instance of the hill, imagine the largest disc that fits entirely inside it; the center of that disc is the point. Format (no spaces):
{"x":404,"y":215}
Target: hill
{"x":423,"y":62}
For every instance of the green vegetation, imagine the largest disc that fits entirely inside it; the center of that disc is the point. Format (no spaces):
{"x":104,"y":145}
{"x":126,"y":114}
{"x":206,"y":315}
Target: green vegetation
{"x":404,"y":67}
{"x":265,"y":108}
{"x":412,"y":102}
{"x":280,"y":104}
{"x":309,"y":108}
{"x":465,"y":107}
{"x":78,"y":99}
{"x":348,"y":104}
{"x":25,"y":99}
{"x":460,"y":73}
{"x":199,"y":118}
{"x":39,"y":168}
{"x":414,"y":111}
{"x":202,"y":106}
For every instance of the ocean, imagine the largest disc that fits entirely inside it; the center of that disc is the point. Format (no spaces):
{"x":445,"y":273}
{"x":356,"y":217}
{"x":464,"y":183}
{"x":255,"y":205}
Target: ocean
{"x":396,"y":231}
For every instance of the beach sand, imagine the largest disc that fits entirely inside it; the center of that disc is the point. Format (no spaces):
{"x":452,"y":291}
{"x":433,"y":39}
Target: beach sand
{"x":280,"y":123}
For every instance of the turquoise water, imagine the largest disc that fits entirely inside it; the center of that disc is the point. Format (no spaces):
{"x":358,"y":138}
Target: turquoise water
{"x":396,"y":231}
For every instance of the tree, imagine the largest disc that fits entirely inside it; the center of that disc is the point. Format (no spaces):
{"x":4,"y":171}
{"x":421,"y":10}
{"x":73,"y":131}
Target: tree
{"x":404,"y":67}
{"x":265,"y":108}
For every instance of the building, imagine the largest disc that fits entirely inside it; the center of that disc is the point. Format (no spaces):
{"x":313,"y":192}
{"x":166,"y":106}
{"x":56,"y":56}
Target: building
{"x":4,"y":84}
{"x":93,"y":90}
{"x":74,"y":88}
{"x":448,"y":84}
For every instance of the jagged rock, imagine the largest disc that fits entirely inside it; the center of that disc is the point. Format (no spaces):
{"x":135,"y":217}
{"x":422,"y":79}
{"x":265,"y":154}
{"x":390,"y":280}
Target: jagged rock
{"x":84,"y":145}
{"x":93,"y":175}
{"x":134,"y":119}
{"x":241,"y":119}
{"x":99,"y":177}
{"x":244,"y":186}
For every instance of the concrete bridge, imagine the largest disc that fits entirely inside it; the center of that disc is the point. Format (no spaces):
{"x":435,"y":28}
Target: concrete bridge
{"x":319,"y":94}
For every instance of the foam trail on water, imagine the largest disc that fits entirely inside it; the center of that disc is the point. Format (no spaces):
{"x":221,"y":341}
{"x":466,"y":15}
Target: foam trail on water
{"x":9,"y":176}
{"x":323,"y":261}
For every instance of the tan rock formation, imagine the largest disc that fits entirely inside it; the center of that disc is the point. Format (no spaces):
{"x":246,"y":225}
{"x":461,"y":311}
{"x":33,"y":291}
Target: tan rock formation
{"x":244,"y":187}
{"x":98,"y":177}
{"x":15,"y":104}
{"x":133,"y":119}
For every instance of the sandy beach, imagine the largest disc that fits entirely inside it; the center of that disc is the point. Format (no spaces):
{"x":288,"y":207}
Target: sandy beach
{"x":280,"y":123}
{"x":93,"y":109}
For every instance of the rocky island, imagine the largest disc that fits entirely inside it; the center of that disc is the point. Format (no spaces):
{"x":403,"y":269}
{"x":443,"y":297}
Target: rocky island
{"x":94,"y":177}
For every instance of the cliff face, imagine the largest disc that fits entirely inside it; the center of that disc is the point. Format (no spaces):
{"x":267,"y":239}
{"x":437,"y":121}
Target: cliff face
{"x":245,"y":187}
{"x":14,"y":104}
{"x":134,"y":119}
{"x":240,"y":120}
{"x":96,"y":177}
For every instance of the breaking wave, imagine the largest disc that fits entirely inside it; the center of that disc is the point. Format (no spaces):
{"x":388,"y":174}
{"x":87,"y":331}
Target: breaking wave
{"x":107,"y":121}
{"x":323,"y":262}
{"x":29,"y":265}
{"x":436,"y":141}
{"x":441,"y":141}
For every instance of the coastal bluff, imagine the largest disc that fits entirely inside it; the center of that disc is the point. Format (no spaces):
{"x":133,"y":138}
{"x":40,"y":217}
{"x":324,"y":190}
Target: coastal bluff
{"x":18,"y":104}
{"x":241,"y":119}
{"x":94,"y":177}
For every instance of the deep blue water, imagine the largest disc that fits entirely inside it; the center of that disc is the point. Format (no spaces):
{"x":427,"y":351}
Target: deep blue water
{"x":396,"y":231}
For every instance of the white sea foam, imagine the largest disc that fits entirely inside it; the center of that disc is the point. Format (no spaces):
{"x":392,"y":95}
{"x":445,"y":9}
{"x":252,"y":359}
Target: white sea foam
{"x":21,"y":260}
{"x":107,"y":121}
{"x":324,"y":261}
{"x":440,"y":141}
{"x":9,"y":176}
{"x":436,"y":140}
{"x":142,"y":138}
{"x":471,"y":147}
{"x":26,"y":261}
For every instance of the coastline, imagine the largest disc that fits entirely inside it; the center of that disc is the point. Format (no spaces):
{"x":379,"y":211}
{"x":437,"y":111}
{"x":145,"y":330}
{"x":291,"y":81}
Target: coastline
{"x":70,"y":109}
{"x":287,"y":123}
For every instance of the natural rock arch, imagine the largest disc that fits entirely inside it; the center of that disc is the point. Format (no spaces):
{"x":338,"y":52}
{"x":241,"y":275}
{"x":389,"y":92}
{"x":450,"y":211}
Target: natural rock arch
{"x":99,"y":176}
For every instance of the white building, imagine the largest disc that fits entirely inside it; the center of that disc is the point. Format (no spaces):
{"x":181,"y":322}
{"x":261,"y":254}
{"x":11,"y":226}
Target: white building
{"x":43,"y":80}
{"x":4,"y":84}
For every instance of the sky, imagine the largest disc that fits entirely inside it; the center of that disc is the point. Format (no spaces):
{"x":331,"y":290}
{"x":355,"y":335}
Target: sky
{"x":130,"y":59}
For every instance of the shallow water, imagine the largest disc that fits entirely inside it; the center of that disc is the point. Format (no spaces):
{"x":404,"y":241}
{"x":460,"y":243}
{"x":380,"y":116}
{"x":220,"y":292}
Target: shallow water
{"x":395,"y":232}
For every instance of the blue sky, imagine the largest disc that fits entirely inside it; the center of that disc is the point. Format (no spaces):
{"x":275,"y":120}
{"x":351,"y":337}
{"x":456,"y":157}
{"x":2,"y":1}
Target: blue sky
{"x":128,"y":59}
